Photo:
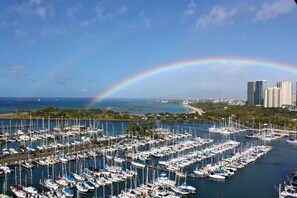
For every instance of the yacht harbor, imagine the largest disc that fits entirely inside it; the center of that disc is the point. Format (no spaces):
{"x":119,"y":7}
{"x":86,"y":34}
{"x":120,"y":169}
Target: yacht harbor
{"x":289,"y":187}
{"x":91,"y":159}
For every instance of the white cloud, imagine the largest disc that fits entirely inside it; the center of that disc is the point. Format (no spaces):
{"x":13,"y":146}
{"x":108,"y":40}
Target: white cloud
{"x":217,"y":16}
{"x":190,"y":11}
{"x":71,"y":11}
{"x":141,"y":21}
{"x":35,"y":2}
{"x":43,"y":30}
{"x":273,"y":9}
{"x":123,"y":9}
{"x":33,"y":8}
{"x":53,"y":30}
{"x":50,"y":11}
{"x":101,"y":14}
{"x":16,"y":71}
{"x":19,"y":32}
{"x":87,"y":36}
{"x":41,"y":12}
{"x":65,"y":79}
{"x":145,"y":20}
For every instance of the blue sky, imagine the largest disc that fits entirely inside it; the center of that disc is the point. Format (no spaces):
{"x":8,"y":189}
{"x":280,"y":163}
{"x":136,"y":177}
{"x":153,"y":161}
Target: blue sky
{"x":69,"y":48}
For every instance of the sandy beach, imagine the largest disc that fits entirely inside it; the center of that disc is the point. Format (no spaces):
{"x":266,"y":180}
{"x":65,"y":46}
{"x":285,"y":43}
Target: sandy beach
{"x":195,"y":110}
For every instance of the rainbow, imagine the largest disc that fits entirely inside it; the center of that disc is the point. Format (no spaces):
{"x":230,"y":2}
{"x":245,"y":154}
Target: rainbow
{"x":188,"y":64}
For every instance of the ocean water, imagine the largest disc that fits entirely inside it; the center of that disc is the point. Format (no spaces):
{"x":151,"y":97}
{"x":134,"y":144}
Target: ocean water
{"x":133,"y":106}
{"x":257,"y":180}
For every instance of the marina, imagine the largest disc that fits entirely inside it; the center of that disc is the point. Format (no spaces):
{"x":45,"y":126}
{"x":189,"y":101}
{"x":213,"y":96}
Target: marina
{"x":149,"y":99}
{"x":227,"y":127}
{"x":73,"y":165}
{"x":289,"y":188}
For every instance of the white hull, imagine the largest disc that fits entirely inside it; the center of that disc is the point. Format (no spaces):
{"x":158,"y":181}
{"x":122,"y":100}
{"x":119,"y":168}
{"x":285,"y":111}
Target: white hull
{"x":217,"y":177}
{"x":138,"y":165}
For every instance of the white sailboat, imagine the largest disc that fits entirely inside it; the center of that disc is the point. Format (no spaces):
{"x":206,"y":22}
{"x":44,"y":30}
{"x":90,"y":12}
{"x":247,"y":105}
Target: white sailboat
{"x":81,"y":187}
{"x":292,"y":140}
{"x":217,"y":177}
{"x":137,"y":164}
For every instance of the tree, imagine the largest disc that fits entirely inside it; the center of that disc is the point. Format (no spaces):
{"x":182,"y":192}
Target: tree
{"x":2,"y":142}
{"x":133,"y":129}
{"x":143,"y":129}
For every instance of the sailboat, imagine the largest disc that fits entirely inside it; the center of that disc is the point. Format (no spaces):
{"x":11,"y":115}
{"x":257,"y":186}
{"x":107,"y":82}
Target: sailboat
{"x":137,"y":164}
{"x":192,"y":189}
{"x":28,"y":164}
{"x":217,"y":177}
{"x":50,"y":183}
{"x":68,"y":192}
{"x":81,"y":187}
{"x":180,"y":191}
{"x":78,"y":177}
{"x":17,"y":191}
{"x":69,"y":179}
{"x":201,"y":172}
{"x":291,"y":140}
{"x":31,"y":190}
{"x":89,"y":185}
{"x":61,"y":181}
{"x":180,"y":174}
{"x":30,"y":146}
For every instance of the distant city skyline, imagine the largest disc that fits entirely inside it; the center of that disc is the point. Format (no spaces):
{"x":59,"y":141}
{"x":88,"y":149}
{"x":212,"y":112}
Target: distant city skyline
{"x":259,"y":94}
{"x":81,"y":49}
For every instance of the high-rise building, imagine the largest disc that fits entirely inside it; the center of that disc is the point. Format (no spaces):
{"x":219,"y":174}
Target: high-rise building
{"x":286,"y":92}
{"x":272,"y":97}
{"x":251,"y":87}
{"x":259,"y":92}
{"x":255,"y":93}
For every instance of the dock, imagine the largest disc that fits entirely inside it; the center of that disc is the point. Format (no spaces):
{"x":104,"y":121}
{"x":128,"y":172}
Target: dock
{"x":268,"y":129}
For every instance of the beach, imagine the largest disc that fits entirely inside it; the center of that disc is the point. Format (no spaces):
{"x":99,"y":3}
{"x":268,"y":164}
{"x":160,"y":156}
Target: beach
{"x":194,"y":109}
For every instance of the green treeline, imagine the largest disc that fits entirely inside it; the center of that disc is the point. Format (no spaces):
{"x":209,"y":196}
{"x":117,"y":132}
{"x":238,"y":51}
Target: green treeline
{"x":248,"y":116}
{"x":141,"y":129}
{"x":53,"y":112}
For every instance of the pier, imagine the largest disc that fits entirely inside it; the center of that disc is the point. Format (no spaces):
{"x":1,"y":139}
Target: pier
{"x":268,"y":129}
{"x":14,"y":159}
{"x":159,"y":168}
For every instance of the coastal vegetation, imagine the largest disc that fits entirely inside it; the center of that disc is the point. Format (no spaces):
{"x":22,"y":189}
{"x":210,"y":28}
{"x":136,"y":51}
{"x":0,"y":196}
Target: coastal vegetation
{"x":249,"y":116}
{"x":213,"y":112}
{"x":143,"y":129}
{"x":52,"y":112}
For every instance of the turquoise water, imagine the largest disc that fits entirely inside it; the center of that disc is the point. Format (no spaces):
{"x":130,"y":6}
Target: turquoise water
{"x":134,"y":106}
{"x":255,"y":180}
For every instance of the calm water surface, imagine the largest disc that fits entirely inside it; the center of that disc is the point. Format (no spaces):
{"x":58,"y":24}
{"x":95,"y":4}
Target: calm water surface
{"x":134,"y":106}
{"x":256,"y":180}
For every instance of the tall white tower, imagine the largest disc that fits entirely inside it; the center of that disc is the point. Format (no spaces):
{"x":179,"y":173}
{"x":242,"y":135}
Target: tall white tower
{"x":286,"y":92}
{"x":272,"y":97}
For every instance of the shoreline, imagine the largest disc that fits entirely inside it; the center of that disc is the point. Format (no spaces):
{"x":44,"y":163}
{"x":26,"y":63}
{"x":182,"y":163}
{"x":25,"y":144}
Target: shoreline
{"x":194,"y":109}
{"x":72,"y":119}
